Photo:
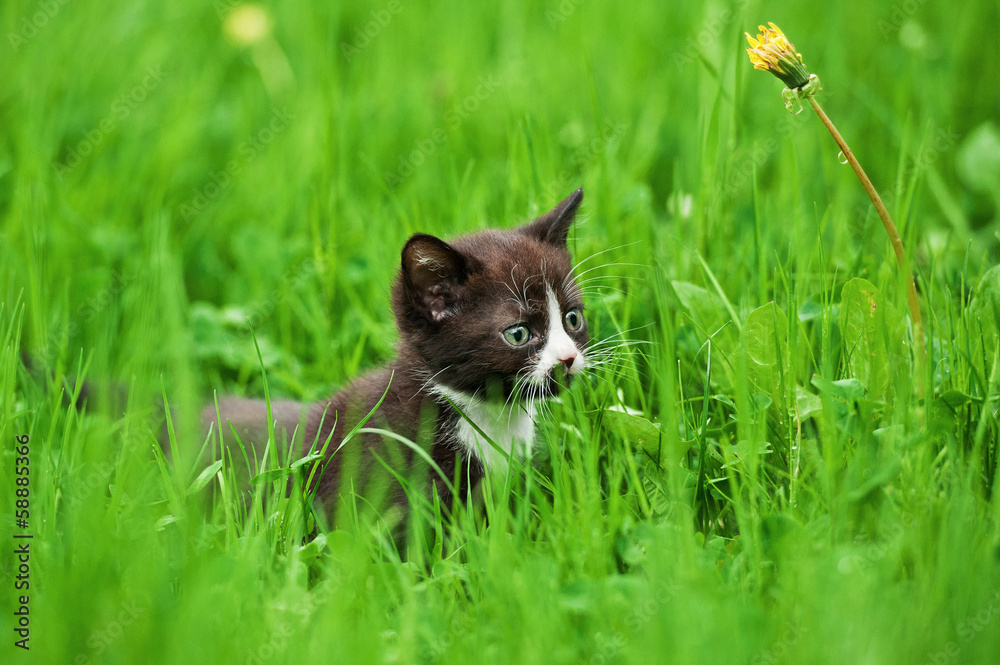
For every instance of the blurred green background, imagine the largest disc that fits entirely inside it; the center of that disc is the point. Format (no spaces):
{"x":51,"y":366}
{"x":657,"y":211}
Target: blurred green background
{"x":173,"y":173}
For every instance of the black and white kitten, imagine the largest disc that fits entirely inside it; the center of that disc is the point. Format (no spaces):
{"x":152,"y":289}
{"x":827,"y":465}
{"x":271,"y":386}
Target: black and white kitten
{"x":490,"y":323}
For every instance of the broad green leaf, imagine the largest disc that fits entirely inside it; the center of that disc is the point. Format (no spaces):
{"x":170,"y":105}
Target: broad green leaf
{"x":725,"y":399}
{"x":873,"y":336}
{"x":946,"y":407}
{"x":809,"y":310}
{"x":312,"y":550}
{"x":760,"y":402}
{"x":705,"y":307}
{"x":764,"y":340}
{"x":849,"y":390}
{"x":956,"y":399}
{"x":747,"y":447}
{"x":220,"y":334}
{"x":636,"y":429}
{"x":806,"y":404}
{"x":711,"y":318}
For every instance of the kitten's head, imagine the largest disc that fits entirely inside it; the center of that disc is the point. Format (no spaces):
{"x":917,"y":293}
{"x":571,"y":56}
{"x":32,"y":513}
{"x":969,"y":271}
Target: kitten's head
{"x":497,"y":313}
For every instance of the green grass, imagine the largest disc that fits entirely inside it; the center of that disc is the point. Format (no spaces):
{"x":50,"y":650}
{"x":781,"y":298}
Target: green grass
{"x":785,"y":494}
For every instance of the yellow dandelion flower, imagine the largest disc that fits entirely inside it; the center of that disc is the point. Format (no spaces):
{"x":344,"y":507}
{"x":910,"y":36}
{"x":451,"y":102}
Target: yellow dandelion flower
{"x":772,"y":52}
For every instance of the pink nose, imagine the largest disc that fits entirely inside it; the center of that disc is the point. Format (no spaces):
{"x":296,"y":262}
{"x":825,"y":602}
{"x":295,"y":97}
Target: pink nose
{"x":568,"y":362}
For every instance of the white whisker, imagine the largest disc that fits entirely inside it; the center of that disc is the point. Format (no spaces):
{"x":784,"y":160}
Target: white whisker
{"x":606,"y":265}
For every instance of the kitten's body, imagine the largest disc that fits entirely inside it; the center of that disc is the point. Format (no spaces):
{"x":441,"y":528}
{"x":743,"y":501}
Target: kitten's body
{"x":488,"y":323}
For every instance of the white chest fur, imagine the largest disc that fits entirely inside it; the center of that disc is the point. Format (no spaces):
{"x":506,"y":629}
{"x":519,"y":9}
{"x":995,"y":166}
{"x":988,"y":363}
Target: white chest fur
{"x":510,"y":427}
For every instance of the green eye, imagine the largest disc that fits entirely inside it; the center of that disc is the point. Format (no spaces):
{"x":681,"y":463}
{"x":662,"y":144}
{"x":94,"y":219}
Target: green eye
{"x":574,"y":320}
{"x":517,"y":335}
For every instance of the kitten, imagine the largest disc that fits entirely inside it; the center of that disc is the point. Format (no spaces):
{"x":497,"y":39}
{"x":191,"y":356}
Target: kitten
{"x":488,"y":323}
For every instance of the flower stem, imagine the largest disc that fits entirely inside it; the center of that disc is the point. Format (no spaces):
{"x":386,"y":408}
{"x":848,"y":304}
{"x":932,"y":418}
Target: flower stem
{"x":890,"y":229}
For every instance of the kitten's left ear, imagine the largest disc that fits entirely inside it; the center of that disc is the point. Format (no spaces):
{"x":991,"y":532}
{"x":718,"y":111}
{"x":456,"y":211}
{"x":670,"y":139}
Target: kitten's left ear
{"x":553,"y":226}
{"x":434,"y":276}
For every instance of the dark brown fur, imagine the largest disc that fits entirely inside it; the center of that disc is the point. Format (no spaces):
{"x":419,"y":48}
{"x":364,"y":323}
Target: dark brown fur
{"x":451,"y":302}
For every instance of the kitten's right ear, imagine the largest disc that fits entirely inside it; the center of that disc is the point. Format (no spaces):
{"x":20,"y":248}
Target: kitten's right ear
{"x":434,"y":275}
{"x":553,"y":226}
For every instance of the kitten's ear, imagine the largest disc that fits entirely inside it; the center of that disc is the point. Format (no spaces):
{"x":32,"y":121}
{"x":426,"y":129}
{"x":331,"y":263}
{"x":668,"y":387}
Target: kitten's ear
{"x":434,"y":275}
{"x":553,"y":226}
